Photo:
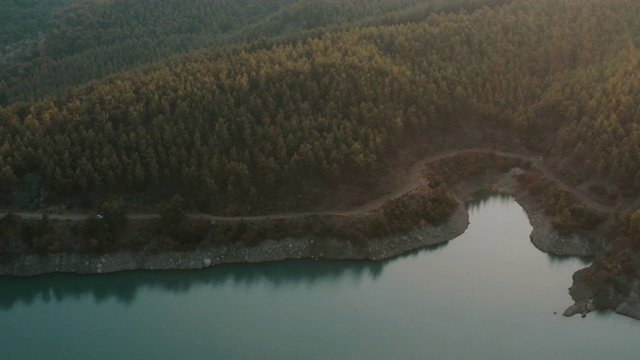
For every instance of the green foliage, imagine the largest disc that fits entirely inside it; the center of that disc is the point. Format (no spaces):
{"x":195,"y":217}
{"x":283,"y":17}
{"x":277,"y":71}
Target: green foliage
{"x":113,"y":214}
{"x":90,"y":40}
{"x":626,"y":221}
{"x":102,"y":231}
{"x":22,"y":19}
{"x":413,"y":210}
{"x":30,"y":192}
{"x":634,"y":225}
{"x":175,"y":224}
{"x":41,"y":238}
{"x":18,"y":235}
{"x":173,"y":212}
{"x":569,"y":215}
{"x":264,"y":123}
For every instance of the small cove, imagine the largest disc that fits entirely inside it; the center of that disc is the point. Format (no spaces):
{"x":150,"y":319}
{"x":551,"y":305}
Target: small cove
{"x":487,"y":294}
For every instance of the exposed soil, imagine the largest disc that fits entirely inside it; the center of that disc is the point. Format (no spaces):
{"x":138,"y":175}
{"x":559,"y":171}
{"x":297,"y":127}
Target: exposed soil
{"x":404,"y":183}
{"x":269,"y":250}
{"x":543,"y":236}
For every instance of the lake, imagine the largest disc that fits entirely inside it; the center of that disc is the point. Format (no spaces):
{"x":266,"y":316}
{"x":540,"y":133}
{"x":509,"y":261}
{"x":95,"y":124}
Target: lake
{"x":489,"y":294}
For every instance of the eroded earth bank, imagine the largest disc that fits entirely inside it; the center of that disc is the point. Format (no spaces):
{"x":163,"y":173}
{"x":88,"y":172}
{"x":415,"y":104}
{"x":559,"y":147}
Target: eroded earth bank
{"x":486,"y":172}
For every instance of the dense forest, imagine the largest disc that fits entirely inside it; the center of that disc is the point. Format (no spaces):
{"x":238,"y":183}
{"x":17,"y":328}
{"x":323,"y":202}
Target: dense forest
{"x":229,"y":176}
{"x":243,"y":106}
{"x":87,"y":40}
{"x":143,"y":114}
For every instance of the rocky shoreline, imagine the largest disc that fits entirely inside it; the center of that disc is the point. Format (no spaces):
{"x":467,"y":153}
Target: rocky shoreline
{"x":269,"y":250}
{"x":543,"y":236}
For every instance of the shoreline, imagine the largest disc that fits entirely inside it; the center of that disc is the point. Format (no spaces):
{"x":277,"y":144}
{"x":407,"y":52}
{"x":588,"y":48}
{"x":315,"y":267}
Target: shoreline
{"x":267,"y":251}
{"x":543,"y":236}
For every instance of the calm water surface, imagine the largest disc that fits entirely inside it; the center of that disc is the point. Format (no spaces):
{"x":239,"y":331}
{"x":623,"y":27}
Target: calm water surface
{"x":490,"y":294}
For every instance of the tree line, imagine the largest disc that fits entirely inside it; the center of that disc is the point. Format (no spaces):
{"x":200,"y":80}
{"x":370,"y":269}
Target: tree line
{"x":258,"y":124}
{"x":89,"y":40}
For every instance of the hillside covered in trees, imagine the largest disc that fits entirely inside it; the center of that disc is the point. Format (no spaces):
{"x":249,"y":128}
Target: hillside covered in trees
{"x":248,"y":107}
{"x":47,"y":47}
{"x":269,"y":110}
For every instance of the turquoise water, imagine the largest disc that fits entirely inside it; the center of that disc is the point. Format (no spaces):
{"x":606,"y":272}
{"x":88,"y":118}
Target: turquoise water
{"x":490,"y":294}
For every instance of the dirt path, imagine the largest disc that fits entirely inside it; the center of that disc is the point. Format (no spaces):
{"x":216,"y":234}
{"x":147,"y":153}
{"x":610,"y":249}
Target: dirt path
{"x":412,"y":180}
{"x":579,"y":194}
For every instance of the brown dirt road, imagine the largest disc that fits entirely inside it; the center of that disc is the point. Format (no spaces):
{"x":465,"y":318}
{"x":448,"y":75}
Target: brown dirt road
{"x":412,"y":180}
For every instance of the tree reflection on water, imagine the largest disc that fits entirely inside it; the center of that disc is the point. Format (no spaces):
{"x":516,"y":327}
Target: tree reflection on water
{"x":125,"y":286}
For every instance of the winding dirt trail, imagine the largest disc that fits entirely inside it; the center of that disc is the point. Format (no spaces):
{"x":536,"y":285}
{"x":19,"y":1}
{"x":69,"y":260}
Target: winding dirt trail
{"x":578,"y":193}
{"x":412,"y":180}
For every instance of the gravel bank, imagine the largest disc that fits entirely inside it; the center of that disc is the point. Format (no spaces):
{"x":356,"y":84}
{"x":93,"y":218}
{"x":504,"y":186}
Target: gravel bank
{"x":289,"y":248}
{"x":543,"y":236}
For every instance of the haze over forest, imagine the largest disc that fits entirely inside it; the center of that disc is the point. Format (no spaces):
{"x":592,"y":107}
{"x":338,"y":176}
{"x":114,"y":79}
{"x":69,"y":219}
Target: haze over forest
{"x":240,"y":100}
{"x":235,"y":108}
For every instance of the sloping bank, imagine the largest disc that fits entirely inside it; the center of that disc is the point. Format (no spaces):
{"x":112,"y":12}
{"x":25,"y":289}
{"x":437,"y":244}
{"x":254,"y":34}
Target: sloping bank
{"x":306,"y":247}
{"x":268,"y":250}
{"x":543,"y":236}
{"x":326,"y":247}
{"x":585,"y":244}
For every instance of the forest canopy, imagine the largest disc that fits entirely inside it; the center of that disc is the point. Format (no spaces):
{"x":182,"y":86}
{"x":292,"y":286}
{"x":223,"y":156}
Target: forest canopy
{"x":239,"y":104}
